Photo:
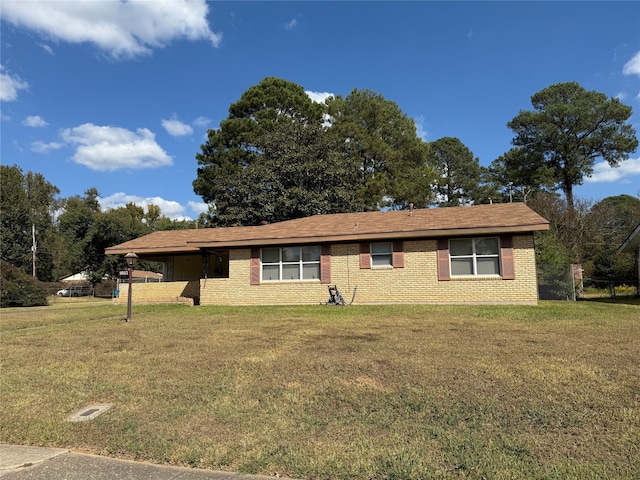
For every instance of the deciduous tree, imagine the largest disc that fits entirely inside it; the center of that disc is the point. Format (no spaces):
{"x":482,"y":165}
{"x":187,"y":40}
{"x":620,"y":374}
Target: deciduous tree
{"x":27,"y":201}
{"x":615,"y":218}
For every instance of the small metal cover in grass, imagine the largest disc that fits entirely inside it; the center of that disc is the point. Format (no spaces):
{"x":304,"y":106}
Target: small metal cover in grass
{"x":89,"y":413}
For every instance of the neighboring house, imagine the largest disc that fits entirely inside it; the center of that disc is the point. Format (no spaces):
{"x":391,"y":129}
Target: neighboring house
{"x":632,"y":245}
{"x":477,"y":254}
{"x":80,"y":277}
{"x":139,"y":276}
{"x":76,"y":277}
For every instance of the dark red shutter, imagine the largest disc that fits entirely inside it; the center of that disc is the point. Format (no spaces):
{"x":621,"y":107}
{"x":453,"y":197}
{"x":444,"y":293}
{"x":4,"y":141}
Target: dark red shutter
{"x":325,"y":264}
{"x":365,"y":257}
{"x":443,"y":259}
{"x":255,"y":266}
{"x":506,"y":257}
{"x":398,"y":254}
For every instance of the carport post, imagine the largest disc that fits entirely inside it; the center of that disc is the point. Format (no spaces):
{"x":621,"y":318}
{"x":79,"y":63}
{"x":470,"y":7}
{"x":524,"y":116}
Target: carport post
{"x":131,"y":261}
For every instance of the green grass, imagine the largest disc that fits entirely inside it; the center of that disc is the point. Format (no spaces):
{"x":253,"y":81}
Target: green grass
{"x":379,"y":392}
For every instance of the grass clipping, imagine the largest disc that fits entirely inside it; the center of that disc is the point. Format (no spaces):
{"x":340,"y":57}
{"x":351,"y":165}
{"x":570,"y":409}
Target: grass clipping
{"x":402,"y":392}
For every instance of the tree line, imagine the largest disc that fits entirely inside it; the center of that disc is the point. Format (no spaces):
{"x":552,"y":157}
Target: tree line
{"x":46,"y":237}
{"x":279,"y":155}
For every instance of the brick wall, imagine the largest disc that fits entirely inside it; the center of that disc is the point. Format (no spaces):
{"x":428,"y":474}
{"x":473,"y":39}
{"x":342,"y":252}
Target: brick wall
{"x":417,"y":282}
{"x":161,"y":292}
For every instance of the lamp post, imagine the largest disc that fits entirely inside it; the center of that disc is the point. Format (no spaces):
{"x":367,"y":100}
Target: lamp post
{"x":131,"y":261}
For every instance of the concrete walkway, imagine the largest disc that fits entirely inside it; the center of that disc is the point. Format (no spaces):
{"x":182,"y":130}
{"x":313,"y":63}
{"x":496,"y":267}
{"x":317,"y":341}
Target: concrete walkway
{"x":38,"y":463}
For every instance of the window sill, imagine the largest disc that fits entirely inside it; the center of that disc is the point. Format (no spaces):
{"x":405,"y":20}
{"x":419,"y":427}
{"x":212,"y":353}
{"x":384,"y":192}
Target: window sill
{"x":468,"y":278}
{"x":311,"y":280}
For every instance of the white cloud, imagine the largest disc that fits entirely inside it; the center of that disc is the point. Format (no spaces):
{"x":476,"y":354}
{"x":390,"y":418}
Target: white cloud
{"x":318,"y":97}
{"x":632,"y":67}
{"x":603,"y":172}
{"x":113,"y":148}
{"x":41,"y":147}
{"x":169,"y":208}
{"x":176,"y":128}
{"x":10,"y":85}
{"x":46,"y":48}
{"x":198,"y":207}
{"x":34,"y":121}
{"x":420,"y":130}
{"x":121,"y":28}
{"x":201,"y":122}
{"x":291,"y":25}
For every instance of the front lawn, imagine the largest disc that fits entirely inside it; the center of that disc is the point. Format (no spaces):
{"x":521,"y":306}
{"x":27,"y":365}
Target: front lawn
{"x":377,"y":392}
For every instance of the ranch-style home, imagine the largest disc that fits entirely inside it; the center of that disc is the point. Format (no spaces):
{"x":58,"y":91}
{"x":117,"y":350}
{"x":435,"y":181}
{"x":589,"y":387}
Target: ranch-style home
{"x":477,"y":254}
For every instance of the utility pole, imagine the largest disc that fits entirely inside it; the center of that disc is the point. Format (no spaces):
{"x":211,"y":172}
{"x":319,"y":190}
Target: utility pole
{"x":34,"y":247}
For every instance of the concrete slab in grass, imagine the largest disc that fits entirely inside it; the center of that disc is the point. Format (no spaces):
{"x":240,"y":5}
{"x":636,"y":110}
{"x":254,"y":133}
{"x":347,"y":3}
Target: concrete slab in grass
{"x":89,"y":413}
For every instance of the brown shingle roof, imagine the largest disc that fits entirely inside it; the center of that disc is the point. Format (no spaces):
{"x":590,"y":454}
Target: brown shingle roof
{"x":398,"y":224}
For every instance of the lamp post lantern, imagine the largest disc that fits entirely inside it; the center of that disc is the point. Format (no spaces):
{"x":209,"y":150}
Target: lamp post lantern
{"x":131,"y":259}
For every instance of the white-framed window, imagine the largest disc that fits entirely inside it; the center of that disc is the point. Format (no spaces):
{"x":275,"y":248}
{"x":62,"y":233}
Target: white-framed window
{"x":382,"y":254}
{"x":281,"y":264}
{"x":474,"y":256}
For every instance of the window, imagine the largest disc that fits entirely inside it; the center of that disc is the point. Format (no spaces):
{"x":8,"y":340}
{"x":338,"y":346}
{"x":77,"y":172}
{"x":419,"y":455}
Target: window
{"x":291,"y":263}
{"x":475,"y":256}
{"x":382,"y":254}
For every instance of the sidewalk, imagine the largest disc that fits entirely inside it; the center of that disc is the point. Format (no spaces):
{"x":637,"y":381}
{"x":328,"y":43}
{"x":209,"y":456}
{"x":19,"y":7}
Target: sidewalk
{"x":38,"y":463}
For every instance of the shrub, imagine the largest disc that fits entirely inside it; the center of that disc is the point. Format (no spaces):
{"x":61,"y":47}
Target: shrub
{"x":17,"y":289}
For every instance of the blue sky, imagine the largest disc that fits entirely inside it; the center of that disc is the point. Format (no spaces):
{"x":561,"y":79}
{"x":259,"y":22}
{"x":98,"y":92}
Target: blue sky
{"x":119,"y":95}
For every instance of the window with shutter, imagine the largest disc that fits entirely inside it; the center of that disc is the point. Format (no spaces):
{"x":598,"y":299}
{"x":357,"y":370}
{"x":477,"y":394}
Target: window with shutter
{"x":280,"y":264}
{"x":481,"y":256}
{"x":382,"y":254}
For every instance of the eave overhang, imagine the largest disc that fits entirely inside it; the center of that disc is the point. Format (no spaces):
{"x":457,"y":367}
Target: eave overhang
{"x":374,"y":236}
{"x":118,"y":250}
{"x":632,"y":242}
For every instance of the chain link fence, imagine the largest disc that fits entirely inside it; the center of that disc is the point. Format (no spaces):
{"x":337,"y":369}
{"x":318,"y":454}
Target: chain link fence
{"x":566,"y":282}
{"x":555,"y":282}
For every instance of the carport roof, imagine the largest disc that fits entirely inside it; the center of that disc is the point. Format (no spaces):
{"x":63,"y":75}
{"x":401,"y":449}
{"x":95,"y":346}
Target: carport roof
{"x":632,"y":243}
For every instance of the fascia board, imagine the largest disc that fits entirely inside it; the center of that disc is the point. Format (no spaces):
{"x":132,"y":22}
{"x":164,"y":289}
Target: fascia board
{"x":632,"y":241}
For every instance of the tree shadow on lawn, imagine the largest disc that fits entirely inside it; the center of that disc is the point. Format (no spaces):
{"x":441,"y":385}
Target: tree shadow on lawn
{"x":620,"y":299}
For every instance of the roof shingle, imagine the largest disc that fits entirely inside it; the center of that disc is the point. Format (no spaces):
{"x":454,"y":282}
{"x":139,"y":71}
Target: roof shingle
{"x":381,"y":225}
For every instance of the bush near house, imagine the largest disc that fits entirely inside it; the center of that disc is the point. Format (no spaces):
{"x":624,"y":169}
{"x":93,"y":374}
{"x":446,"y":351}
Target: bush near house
{"x":17,"y":289}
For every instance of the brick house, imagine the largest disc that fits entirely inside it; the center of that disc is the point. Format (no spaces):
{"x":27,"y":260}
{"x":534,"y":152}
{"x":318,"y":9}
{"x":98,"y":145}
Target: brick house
{"x":477,"y":254}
